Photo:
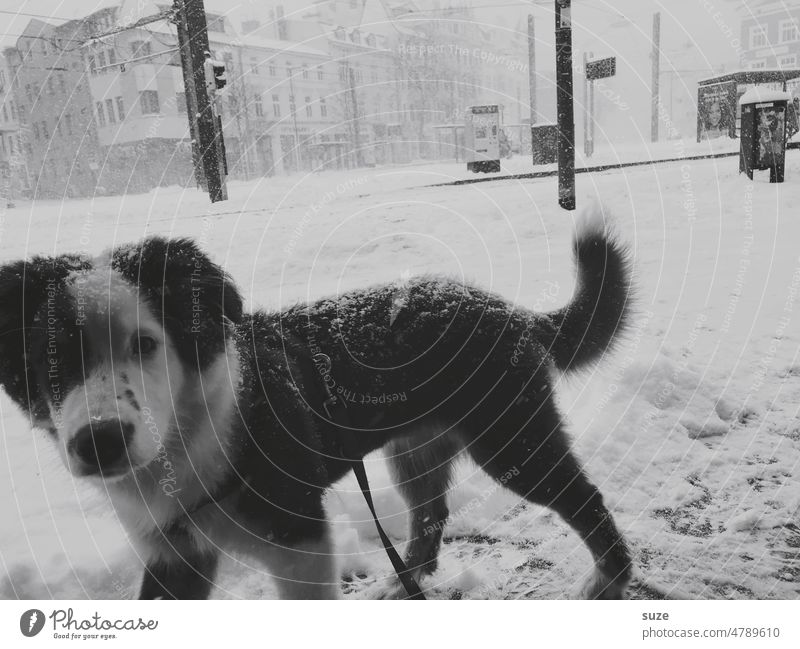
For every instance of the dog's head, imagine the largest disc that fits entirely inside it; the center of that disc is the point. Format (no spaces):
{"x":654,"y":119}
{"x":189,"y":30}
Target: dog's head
{"x":98,"y":352}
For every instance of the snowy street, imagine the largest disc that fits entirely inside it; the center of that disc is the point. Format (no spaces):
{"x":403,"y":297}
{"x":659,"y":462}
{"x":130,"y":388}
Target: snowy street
{"x":691,"y":430}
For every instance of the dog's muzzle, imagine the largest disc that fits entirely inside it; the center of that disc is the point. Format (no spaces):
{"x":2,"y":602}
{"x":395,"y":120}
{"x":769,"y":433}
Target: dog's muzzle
{"x":102,"y":447}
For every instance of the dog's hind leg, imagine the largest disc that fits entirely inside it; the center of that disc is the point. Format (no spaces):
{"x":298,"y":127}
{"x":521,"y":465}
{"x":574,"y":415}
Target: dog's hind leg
{"x":531,"y":456}
{"x":421,"y":465}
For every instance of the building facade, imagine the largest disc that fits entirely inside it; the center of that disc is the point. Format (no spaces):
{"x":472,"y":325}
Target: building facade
{"x":95,"y":107}
{"x":770,"y":37}
{"x":54,"y":110}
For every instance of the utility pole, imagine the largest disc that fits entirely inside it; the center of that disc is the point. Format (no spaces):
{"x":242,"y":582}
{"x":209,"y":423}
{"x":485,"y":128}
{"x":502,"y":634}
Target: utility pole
{"x":565,"y":109}
{"x":656,"y":73}
{"x":356,"y":123}
{"x":190,"y":19}
{"x":532,"y":66}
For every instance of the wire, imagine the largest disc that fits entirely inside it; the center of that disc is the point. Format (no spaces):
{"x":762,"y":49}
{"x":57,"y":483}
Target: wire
{"x":23,"y":13}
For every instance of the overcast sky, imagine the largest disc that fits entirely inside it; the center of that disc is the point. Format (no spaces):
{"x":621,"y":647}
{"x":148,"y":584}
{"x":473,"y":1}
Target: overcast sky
{"x":599,"y":24}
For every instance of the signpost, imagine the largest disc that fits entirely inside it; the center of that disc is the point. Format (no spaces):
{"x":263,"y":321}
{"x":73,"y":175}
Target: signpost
{"x":594,"y":70}
{"x":601,"y":68}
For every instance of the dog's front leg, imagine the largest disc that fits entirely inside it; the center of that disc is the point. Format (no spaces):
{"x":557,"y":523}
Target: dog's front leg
{"x":178,"y":569}
{"x":304,"y":569}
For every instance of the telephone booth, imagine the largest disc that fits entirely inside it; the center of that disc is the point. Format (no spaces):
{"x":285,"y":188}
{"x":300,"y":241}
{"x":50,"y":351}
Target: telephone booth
{"x":763,"y":132}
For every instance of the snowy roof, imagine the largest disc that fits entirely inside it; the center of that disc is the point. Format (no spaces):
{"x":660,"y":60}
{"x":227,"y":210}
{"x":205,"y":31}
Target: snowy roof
{"x":756,"y":95}
{"x":762,"y":75}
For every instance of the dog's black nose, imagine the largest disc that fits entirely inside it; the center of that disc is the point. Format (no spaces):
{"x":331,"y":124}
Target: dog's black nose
{"x":101,"y":445}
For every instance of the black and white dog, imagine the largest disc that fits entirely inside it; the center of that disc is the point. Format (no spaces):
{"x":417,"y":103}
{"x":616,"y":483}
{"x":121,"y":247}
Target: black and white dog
{"x":206,"y":426}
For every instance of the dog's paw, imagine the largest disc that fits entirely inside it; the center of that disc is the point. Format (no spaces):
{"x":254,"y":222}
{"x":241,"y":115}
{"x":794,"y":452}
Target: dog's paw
{"x":395,"y":590}
{"x":601,"y":586}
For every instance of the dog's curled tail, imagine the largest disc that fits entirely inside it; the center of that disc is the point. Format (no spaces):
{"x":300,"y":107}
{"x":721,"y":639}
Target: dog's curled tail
{"x":578,"y":334}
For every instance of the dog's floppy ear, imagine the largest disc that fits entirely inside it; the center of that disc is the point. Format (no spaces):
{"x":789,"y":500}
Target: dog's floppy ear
{"x":24,"y":288}
{"x":195,"y":297}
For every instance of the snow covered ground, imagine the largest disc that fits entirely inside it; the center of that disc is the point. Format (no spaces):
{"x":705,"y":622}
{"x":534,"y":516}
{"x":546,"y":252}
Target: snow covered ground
{"x":691,"y":430}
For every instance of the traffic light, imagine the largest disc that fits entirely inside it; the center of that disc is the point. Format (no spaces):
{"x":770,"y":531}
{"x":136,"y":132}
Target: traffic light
{"x":215,"y":74}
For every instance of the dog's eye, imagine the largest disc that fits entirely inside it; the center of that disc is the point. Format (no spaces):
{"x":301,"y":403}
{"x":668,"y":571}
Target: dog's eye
{"x":143,"y":345}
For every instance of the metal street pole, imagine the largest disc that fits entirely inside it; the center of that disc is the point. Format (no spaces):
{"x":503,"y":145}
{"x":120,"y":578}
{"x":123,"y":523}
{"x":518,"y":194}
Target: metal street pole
{"x":356,"y":123}
{"x":532,"y":66}
{"x":564,"y":102}
{"x":586,"y":105}
{"x":293,"y":102}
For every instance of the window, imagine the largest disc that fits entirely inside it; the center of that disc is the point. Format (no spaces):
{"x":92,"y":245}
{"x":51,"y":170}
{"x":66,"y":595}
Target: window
{"x":787,"y":31}
{"x":68,"y":123}
{"x":288,"y":69}
{"x":254,"y":66}
{"x":787,"y":61}
{"x":62,"y":83}
{"x":258,"y":105}
{"x":323,"y":107}
{"x":140,"y":48}
{"x":36,"y":130}
{"x":305,"y":71}
{"x":112,"y":57}
{"x":101,"y":59}
{"x":112,"y":119}
{"x":50,"y":89}
{"x":276,"y":105}
{"x":121,"y":108}
{"x":148,"y":101}
{"x":180,"y":101}
{"x":45,"y":132}
{"x":101,"y":114}
{"x":758,"y":65}
{"x":758,"y":36}
{"x":320,"y":74}
{"x":272,"y":70}
{"x":5,"y":113}
{"x":309,"y":108}
{"x":28,"y":92}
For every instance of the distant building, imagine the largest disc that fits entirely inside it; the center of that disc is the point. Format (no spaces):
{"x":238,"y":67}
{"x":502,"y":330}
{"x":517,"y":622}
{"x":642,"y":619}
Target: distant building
{"x":54,"y":109}
{"x":14,"y":179}
{"x":770,"y":37}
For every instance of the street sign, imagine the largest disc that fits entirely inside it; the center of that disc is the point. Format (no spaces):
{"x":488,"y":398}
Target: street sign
{"x":601,"y":68}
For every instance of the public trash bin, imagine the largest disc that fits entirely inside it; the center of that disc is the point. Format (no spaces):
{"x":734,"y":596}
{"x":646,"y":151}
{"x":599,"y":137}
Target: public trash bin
{"x":544,"y":144}
{"x":763,"y":132}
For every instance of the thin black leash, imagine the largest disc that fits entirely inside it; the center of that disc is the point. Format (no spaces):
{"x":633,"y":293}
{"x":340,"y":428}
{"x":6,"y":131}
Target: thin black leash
{"x":336,"y":410}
